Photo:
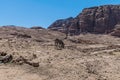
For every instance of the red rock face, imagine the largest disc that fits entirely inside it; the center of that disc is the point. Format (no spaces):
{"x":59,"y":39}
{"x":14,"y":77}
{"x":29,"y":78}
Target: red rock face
{"x":100,"y":19}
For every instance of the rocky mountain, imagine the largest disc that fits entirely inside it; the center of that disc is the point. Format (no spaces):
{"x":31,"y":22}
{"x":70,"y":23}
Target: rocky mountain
{"x":101,"y":19}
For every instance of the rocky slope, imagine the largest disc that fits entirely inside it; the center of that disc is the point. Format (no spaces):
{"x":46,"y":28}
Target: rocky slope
{"x":34,"y":57}
{"x":101,"y":19}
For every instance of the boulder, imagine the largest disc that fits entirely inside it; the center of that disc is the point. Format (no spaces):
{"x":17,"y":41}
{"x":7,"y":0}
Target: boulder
{"x":116,"y":31}
{"x":6,"y":58}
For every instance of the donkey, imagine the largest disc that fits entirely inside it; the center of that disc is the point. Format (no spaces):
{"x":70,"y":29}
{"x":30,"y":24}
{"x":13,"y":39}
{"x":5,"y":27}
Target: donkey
{"x":59,"y":44}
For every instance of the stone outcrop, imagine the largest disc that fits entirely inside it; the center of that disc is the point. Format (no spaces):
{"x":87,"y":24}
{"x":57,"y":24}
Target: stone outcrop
{"x":116,"y":31}
{"x":65,"y":25}
{"x":101,"y":19}
{"x":61,"y":23}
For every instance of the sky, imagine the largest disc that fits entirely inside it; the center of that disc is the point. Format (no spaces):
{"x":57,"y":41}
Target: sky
{"x":28,"y":13}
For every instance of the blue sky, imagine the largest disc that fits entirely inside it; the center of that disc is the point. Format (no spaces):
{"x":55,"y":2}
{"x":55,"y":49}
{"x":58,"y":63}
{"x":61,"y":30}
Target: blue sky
{"x":30,"y":13}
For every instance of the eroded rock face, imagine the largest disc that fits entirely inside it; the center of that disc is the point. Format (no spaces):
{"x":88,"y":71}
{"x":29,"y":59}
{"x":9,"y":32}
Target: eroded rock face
{"x":66,"y":25}
{"x":61,"y":23}
{"x":101,"y":19}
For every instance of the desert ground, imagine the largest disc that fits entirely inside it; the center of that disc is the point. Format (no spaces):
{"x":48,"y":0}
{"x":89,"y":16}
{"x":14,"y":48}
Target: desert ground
{"x":85,"y":57}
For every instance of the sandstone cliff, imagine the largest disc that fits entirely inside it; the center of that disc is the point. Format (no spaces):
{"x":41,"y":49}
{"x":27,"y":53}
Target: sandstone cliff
{"x":101,"y":19}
